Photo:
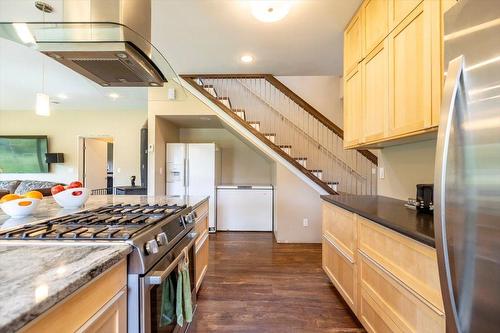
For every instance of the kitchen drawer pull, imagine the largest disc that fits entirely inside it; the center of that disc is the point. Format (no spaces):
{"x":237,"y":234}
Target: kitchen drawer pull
{"x":401,"y":283}
{"x":345,"y":255}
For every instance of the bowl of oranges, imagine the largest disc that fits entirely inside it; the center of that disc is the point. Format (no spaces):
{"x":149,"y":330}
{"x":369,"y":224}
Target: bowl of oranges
{"x":16,"y":205}
{"x":72,"y":196}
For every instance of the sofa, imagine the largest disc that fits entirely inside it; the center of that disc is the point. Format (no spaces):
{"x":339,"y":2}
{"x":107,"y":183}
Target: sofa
{"x":22,"y":186}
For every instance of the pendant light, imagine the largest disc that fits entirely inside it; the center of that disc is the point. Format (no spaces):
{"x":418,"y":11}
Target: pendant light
{"x":42,"y":99}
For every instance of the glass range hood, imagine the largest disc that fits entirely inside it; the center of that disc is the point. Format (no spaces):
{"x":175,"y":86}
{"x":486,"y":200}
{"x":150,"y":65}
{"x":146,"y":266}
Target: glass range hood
{"x":110,"y":54}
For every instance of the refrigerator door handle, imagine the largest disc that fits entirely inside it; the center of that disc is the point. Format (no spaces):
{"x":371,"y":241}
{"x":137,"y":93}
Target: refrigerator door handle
{"x":185,"y":174}
{"x":451,"y":89}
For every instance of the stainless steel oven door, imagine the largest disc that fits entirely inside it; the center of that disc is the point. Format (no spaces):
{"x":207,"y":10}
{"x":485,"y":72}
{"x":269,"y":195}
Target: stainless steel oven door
{"x":151,"y":287}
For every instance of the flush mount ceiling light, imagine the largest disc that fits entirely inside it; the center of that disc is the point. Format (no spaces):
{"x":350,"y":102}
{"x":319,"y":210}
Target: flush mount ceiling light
{"x":113,"y":96}
{"x":270,"y":11}
{"x":247,"y":59}
{"x":62,"y":96}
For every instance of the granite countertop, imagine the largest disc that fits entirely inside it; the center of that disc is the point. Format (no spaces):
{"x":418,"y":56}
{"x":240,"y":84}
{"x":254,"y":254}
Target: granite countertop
{"x":390,"y":213}
{"x":35,"y":276}
{"x":48,"y":208}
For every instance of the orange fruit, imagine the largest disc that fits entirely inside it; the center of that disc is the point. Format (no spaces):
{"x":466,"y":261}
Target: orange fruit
{"x":24,"y":203}
{"x":9,"y":197}
{"x":33,"y":195}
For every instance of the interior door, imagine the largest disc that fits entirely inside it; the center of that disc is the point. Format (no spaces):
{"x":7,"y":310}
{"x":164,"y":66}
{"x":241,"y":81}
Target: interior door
{"x":95,"y":163}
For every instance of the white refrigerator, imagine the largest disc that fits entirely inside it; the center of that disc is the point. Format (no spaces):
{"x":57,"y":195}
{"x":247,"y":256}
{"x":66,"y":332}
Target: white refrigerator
{"x":193,"y":169}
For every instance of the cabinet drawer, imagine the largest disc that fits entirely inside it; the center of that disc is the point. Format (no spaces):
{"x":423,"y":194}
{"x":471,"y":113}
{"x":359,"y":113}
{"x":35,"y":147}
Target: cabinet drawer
{"x":201,"y":210}
{"x":373,"y":318}
{"x":201,"y":253}
{"x":201,"y":228}
{"x":341,"y":272}
{"x":340,"y":226}
{"x":409,"y":311}
{"x":411,"y":262}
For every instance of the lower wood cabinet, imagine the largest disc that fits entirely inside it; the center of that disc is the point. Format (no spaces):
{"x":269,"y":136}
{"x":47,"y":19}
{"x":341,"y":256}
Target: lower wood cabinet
{"x":391,"y":282}
{"x":99,"y":307}
{"x":201,"y":244}
{"x":341,"y":271}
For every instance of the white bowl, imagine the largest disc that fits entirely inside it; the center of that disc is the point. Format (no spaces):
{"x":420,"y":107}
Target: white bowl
{"x":20,"y":207}
{"x":72,"y":197}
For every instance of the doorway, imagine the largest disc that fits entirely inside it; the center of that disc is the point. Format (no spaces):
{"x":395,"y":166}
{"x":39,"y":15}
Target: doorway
{"x":96,"y":166}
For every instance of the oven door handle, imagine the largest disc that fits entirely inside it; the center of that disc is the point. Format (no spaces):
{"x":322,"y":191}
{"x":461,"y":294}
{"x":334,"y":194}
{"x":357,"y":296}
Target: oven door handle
{"x":157,"y":277}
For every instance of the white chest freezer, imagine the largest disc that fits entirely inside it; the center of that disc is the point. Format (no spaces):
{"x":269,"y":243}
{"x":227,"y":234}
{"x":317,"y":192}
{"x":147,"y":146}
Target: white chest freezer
{"x":245,"y":208}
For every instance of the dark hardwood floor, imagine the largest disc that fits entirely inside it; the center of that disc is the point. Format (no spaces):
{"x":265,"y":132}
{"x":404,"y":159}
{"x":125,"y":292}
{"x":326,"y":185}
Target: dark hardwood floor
{"x":254,"y":284}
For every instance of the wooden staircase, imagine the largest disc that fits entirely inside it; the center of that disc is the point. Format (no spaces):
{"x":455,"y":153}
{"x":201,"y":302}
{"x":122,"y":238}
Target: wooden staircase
{"x":212,"y":87}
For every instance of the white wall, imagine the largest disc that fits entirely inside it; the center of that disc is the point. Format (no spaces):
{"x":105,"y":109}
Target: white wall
{"x":405,"y":166}
{"x":294,"y":201}
{"x":185,"y":104}
{"x":63,"y":129}
{"x":322,"y":92}
{"x":240,"y":164}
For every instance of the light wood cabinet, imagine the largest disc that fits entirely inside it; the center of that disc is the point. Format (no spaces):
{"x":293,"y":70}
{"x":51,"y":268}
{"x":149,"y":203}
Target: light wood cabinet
{"x":341,"y":270}
{"x":375,"y":23}
{"x":353,"y":108}
{"x":201,"y":244}
{"x":410,"y":74}
{"x":112,"y":318}
{"x":100,"y":306}
{"x":399,"y":9}
{"x":375,"y":93}
{"x":407,"y":309}
{"x":352,"y":44}
{"x":390,"y":281}
{"x":402,"y":59}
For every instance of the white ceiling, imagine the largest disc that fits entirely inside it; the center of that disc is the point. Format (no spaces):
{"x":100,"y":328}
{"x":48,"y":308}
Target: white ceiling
{"x":21,"y":78}
{"x":210,"y":36}
{"x":196,"y":36}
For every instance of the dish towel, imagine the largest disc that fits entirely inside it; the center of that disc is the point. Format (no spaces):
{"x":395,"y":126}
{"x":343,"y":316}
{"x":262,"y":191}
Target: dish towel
{"x":167,"y":314}
{"x":184,"y":306}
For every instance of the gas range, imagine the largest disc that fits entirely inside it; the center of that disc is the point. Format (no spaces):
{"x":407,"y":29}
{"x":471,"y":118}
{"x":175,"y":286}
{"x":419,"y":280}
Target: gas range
{"x":151,"y":229}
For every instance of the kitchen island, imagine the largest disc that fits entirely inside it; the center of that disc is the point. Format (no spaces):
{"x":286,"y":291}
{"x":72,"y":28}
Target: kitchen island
{"x":39,"y":277}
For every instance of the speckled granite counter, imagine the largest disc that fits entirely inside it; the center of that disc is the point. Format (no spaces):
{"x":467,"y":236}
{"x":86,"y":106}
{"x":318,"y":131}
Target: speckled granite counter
{"x":48,"y":208}
{"x":35,"y":276}
{"x":390,"y":213}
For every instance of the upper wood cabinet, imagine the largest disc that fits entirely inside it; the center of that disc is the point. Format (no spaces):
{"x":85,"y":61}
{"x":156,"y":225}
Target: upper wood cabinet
{"x":375,"y":23}
{"x":352,"y":44}
{"x":401,"y":68}
{"x":410,"y":74}
{"x":399,"y":9}
{"x":353,"y":108}
{"x":375,"y":93}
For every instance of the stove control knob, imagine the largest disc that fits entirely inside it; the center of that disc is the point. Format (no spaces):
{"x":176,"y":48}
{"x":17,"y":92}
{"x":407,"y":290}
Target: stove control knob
{"x":162,"y":239}
{"x":152,"y":247}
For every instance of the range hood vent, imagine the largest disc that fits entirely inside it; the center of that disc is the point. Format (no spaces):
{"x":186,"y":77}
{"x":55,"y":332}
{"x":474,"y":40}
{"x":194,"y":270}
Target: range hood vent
{"x":121,"y":65}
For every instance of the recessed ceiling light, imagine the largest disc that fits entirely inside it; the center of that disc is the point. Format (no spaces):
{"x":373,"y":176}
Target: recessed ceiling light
{"x":270,"y":11}
{"x":113,"y":95}
{"x":247,"y":58}
{"x":62,"y":96}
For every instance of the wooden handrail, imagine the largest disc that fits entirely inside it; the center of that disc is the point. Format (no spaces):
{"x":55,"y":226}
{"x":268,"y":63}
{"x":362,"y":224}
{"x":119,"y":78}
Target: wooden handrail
{"x":290,"y":94}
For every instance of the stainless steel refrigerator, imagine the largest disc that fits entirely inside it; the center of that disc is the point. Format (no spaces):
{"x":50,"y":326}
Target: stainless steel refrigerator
{"x":467,"y":176}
